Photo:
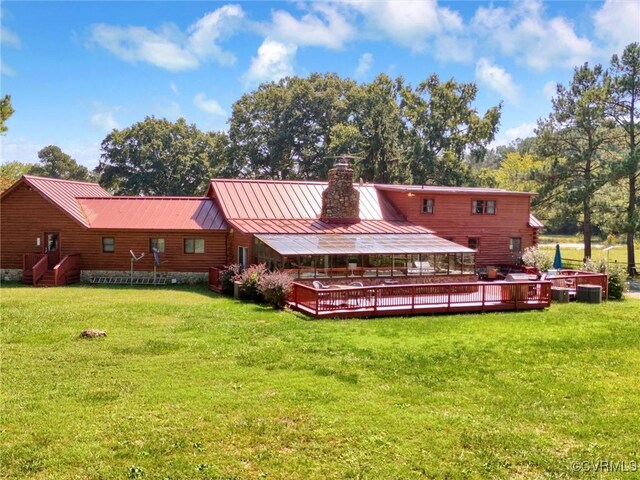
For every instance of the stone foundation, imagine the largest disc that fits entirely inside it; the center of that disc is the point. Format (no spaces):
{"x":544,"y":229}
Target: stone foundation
{"x":180,"y":277}
{"x":11,"y":275}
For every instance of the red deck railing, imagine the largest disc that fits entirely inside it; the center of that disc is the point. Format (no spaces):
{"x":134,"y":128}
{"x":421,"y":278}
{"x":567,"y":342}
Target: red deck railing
{"x":30,"y":259}
{"x":214,"y":279}
{"x":573,"y":278}
{"x":67,"y":270}
{"x":39,"y":269}
{"x":345,"y":301}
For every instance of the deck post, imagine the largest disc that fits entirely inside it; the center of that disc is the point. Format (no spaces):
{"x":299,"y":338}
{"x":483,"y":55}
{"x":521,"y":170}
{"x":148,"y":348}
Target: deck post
{"x":375,"y":299}
{"x":317,"y":302}
{"x":413,"y":299}
{"x":448,"y":298}
{"x":484,"y":295}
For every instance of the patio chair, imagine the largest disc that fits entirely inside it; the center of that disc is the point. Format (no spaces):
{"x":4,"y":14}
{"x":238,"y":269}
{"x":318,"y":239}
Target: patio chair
{"x":318,"y":285}
{"x":356,"y":284}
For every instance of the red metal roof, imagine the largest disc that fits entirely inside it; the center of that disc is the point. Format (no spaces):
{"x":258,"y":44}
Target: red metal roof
{"x":153,"y":213}
{"x":289,"y":200}
{"x":63,"y":193}
{"x":534,"y":222}
{"x":299,"y":226}
{"x":452,"y":190}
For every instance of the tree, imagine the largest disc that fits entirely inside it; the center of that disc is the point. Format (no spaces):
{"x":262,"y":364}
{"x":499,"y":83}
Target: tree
{"x":12,"y":171}
{"x":6,"y":110}
{"x":283,"y":130}
{"x":517,"y":172}
{"x":375,"y":132}
{"x":575,"y":139}
{"x":625,"y":110}
{"x":159,"y":157}
{"x":54,"y":163}
{"x":445,"y":129}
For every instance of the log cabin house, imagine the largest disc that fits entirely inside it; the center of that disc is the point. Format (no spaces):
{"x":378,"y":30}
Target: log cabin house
{"x":314,"y":230}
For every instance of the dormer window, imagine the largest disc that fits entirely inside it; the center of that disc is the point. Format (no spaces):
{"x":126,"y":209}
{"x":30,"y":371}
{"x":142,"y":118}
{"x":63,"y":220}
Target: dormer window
{"x":483,"y":207}
{"x":427,"y":205}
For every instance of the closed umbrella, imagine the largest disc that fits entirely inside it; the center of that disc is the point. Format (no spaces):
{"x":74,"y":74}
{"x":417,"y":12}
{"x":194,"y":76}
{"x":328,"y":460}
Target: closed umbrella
{"x":557,"y":260}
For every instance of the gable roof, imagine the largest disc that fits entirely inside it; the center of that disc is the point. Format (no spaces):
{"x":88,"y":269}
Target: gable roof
{"x":153,"y":213}
{"x":62,"y":193}
{"x":268,"y":199}
{"x":431,"y":189}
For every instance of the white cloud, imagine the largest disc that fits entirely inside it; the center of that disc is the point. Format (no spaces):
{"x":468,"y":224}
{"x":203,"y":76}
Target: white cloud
{"x":549,"y":89}
{"x":409,"y":23}
{"x":273,"y":62}
{"x":9,"y":38}
{"x":618,"y":23}
{"x":214,"y":26}
{"x":208,"y":105}
{"x":168,"y":47}
{"x":497,"y":79}
{"x":104,"y":121}
{"x":521,"y":131}
{"x":524,"y":32}
{"x":173,"y":88}
{"x":364,"y":64}
{"x":6,"y":70}
{"x":326,"y":27}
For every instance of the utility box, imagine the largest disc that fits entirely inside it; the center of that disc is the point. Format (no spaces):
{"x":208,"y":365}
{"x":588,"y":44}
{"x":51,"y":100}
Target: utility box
{"x":589,"y":293}
{"x":560,"y":294}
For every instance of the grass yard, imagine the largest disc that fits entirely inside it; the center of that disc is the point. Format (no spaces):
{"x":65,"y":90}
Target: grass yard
{"x":617,"y":254}
{"x":190,"y":385}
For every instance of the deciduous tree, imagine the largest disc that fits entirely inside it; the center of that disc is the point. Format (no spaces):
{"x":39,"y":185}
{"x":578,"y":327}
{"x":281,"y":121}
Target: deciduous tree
{"x":159,"y":157}
{"x":54,"y":163}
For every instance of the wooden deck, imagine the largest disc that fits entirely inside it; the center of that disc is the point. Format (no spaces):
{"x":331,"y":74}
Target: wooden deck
{"x":412,"y":299}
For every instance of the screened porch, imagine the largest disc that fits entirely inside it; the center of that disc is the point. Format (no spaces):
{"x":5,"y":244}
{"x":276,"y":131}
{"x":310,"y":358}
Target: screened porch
{"x":318,"y":256}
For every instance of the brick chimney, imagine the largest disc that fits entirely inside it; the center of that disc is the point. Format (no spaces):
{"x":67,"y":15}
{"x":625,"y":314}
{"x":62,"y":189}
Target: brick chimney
{"x":340,"y":201}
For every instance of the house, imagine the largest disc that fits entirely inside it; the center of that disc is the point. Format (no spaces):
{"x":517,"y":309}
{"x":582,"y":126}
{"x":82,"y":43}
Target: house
{"x":312,"y":229}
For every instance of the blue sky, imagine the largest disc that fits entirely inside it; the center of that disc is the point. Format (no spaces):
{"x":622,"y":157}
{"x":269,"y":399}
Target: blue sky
{"x":76,"y":70}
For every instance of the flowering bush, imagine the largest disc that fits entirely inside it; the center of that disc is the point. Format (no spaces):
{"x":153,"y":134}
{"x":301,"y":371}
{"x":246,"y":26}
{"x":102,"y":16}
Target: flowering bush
{"x":535,"y":257}
{"x":249,"y":280}
{"x":228,"y":276}
{"x":275,"y":287}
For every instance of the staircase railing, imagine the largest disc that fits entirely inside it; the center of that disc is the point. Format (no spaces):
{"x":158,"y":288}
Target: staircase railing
{"x":69,"y":265}
{"x":39,"y":269}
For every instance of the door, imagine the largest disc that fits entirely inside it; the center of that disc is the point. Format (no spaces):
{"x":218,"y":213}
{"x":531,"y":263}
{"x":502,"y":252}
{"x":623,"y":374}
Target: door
{"x":52,"y":248}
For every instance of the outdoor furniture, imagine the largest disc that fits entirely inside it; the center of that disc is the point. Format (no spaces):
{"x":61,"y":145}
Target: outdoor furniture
{"x":318,"y":285}
{"x":356,"y":284}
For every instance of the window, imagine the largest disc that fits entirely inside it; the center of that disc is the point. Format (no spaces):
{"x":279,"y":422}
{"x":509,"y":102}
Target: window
{"x":474,"y":243}
{"x":483,"y":207}
{"x":427,"y":205}
{"x":243,"y":256}
{"x":157,"y":243}
{"x":193,"y":245}
{"x":515,"y":244}
{"x":108,"y":244}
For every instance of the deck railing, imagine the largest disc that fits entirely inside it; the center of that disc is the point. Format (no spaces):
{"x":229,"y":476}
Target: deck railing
{"x":39,"y":269}
{"x":419,"y":298}
{"x":30,"y":259}
{"x":573,"y":278}
{"x":69,"y":267}
{"x":215,"y":283}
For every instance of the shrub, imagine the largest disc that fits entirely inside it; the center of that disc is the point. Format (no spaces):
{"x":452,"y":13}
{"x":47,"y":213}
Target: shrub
{"x":616,"y":284}
{"x":535,"y":257}
{"x":228,"y":276}
{"x":275,"y":288}
{"x":249,"y":281}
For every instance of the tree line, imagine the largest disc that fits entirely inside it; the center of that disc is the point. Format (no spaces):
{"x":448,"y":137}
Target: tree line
{"x":583,"y":160}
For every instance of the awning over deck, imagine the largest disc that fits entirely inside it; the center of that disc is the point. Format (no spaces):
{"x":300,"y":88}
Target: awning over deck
{"x":346,"y":244}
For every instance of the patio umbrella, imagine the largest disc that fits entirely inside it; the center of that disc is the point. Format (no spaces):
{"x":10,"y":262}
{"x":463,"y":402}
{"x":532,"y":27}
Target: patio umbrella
{"x":557,"y":260}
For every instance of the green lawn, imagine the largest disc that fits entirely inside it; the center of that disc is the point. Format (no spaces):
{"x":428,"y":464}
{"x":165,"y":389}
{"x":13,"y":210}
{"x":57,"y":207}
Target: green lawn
{"x":190,"y":385}
{"x":617,"y":254}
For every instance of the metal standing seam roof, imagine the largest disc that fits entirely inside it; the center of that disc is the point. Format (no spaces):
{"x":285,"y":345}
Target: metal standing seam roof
{"x":534,"y":222}
{"x":302,"y":244}
{"x":63,"y":193}
{"x":153,"y":213}
{"x":449,"y":189}
{"x":268,"y":199}
{"x":317,"y":226}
